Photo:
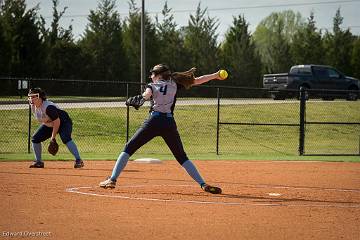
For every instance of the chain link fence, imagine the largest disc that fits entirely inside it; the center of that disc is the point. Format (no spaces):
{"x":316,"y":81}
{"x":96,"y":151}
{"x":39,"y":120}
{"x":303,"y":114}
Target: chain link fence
{"x":335,"y":123}
{"x":220,"y":120}
{"x":257,"y":124}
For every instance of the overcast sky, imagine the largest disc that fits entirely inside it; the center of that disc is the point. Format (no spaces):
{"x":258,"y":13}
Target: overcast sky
{"x":224,"y":10}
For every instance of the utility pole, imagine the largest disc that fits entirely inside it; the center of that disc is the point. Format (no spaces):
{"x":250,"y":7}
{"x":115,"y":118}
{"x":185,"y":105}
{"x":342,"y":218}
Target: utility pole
{"x":143,"y":63}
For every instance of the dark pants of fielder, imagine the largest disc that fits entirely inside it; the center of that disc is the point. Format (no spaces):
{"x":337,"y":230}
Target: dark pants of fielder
{"x":44,"y":132}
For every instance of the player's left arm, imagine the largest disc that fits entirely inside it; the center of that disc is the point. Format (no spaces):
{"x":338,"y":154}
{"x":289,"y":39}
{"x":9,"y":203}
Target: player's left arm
{"x":205,"y":78}
{"x":56,"y":127}
{"x":53,"y":114}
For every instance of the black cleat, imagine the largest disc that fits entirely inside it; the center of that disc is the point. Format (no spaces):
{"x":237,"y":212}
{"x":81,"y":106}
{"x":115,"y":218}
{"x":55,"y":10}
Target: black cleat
{"x":37,"y":165}
{"x":79,"y":164}
{"x":211,"y":189}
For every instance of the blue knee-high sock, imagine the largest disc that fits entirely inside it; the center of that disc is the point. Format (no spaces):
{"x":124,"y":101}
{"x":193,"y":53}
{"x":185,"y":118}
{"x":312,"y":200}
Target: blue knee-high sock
{"x":37,"y":151}
{"x":119,"y":165}
{"x":73,"y":149}
{"x":193,"y":172}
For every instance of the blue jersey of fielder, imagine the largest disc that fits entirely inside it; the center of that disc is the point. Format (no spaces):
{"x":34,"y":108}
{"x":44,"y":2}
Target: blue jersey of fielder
{"x":48,"y":112}
{"x":163,"y":96}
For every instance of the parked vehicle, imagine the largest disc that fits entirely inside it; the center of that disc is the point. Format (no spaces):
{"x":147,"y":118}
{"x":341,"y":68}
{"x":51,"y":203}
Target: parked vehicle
{"x":320,"y":81}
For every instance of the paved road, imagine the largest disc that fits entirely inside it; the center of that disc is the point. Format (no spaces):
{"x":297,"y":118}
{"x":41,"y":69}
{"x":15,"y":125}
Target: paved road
{"x":179,"y":102}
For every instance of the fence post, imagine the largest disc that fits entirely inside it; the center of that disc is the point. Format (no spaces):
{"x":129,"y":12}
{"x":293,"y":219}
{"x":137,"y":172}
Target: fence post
{"x":29,"y":121}
{"x":127,"y":114}
{"x":302,"y":121}
{"x":29,"y":129}
{"x":218,"y":121}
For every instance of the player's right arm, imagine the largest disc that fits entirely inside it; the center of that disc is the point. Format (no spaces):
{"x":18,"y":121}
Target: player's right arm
{"x":147,"y":94}
{"x":206,"y":78}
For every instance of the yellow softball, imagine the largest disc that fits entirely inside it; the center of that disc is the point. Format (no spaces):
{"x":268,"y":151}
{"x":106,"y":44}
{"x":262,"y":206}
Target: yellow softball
{"x":223,"y":74}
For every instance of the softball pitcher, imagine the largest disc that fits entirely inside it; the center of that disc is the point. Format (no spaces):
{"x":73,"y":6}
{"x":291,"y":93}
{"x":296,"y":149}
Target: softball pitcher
{"x":53,"y":121}
{"x":162,"y":93}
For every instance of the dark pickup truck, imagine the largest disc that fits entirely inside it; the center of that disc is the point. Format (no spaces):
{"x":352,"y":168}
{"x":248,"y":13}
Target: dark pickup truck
{"x":333,"y":84}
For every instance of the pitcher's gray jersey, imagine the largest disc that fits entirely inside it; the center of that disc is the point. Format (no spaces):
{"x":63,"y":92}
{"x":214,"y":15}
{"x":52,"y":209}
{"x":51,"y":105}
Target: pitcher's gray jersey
{"x":163,"y":96}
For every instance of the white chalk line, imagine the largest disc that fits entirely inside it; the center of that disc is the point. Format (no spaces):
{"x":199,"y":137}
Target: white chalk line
{"x":303,"y":188}
{"x":77,"y":190}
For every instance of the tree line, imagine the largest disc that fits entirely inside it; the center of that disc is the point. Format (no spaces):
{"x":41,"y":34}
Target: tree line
{"x":109,"y":48}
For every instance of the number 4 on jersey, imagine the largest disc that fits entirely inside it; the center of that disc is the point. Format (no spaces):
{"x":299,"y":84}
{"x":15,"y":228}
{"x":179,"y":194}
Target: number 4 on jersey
{"x":163,"y":89}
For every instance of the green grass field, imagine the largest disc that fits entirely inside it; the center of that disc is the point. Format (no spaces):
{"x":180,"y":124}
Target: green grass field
{"x":100,"y":133}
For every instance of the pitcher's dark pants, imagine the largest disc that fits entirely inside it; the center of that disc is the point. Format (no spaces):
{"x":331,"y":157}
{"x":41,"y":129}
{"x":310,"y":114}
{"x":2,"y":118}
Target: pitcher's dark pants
{"x":158,"y":124}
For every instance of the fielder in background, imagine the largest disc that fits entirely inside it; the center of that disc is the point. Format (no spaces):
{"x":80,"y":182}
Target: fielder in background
{"x":162,"y":94}
{"x":53,"y":121}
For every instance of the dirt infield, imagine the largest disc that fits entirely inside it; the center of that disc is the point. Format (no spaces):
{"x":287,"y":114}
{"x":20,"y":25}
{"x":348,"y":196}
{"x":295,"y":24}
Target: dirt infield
{"x":260,"y":200}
